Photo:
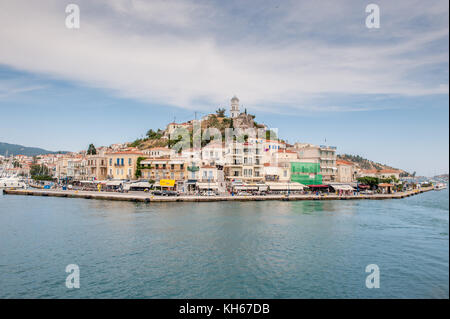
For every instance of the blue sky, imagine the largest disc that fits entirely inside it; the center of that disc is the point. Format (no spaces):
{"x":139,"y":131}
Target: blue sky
{"x":314,"y":72}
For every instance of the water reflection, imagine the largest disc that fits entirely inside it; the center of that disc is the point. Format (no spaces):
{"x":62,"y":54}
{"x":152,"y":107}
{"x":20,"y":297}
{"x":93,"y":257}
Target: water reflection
{"x":281,"y":249}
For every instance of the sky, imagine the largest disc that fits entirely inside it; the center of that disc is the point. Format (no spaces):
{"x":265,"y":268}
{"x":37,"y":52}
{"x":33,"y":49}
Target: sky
{"x":311,"y":69}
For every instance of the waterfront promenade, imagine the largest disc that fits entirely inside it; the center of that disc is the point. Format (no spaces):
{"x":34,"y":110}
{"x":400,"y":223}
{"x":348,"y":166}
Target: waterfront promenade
{"x":145,"y":197}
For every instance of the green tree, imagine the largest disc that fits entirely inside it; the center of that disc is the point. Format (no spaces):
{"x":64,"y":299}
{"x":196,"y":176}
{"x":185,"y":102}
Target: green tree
{"x":154,"y":135}
{"x":91,"y":150}
{"x":40,"y":173}
{"x":220,"y":112}
{"x":139,"y":167}
{"x":368,"y":180}
{"x":271,"y":135}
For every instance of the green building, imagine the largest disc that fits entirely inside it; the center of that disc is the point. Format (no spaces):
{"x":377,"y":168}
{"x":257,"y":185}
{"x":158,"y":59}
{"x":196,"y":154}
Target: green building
{"x":306,"y":173}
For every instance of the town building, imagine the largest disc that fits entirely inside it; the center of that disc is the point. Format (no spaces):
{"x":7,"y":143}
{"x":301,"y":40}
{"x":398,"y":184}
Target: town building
{"x":383,"y":173}
{"x":97,"y":168}
{"x":243,"y":161}
{"x":163,"y":168}
{"x":156,"y":152}
{"x":324,"y":155}
{"x":345,"y":171}
{"x":122,"y":164}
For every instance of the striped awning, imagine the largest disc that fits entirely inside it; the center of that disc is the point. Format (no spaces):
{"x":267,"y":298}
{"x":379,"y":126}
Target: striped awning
{"x":207,"y":185}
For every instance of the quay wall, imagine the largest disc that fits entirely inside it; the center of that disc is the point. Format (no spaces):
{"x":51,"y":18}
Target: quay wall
{"x":143,"y":197}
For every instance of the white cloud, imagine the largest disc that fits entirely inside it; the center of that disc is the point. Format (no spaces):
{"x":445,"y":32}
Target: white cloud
{"x":196,"y":55}
{"x":10,"y":87}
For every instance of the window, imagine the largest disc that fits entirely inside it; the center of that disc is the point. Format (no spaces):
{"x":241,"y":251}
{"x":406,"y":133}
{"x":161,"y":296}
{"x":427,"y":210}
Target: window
{"x":172,"y":176}
{"x":121,"y":161}
{"x":172,"y":166}
{"x":129,"y":172}
{"x":130,"y":161}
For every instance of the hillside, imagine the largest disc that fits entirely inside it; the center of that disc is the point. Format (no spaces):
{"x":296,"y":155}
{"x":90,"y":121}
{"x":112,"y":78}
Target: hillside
{"x":364,"y":163}
{"x":159,"y":137}
{"x":15,"y":149}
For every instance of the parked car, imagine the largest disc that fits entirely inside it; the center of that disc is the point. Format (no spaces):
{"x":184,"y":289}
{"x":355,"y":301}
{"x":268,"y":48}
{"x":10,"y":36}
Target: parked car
{"x":157,"y":193}
{"x":209,"y":193}
{"x":170,"y":193}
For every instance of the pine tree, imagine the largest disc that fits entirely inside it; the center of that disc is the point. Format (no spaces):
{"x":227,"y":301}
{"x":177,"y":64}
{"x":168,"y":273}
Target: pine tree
{"x":91,"y":150}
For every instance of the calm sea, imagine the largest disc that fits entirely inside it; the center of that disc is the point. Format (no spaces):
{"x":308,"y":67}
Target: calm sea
{"x":273,"y":249}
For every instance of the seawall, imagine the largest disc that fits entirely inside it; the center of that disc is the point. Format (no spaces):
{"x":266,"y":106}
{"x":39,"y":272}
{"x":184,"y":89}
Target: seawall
{"x":144,"y":197}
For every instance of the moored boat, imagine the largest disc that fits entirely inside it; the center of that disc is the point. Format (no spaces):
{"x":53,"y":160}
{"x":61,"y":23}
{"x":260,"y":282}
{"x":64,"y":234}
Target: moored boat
{"x":12,"y":183}
{"x":440,"y":186}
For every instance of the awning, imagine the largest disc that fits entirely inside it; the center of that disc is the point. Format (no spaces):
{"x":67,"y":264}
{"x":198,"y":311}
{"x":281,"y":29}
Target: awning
{"x":318,"y":186}
{"x":157,"y":162}
{"x":207,"y":185}
{"x":385,"y":185}
{"x":141,"y":184}
{"x":114,"y":183}
{"x":342,"y":187}
{"x":293,"y":186}
{"x":246,"y":187}
{"x":176,"y":162}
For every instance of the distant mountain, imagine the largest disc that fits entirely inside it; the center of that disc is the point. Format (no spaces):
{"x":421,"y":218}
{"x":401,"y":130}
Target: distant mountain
{"x":14,"y":149}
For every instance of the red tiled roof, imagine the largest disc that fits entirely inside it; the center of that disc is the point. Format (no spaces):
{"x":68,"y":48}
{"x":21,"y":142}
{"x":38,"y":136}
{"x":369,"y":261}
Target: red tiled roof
{"x":343,"y":162}
{"x":126,"y":152}
{"x":389,"y":171}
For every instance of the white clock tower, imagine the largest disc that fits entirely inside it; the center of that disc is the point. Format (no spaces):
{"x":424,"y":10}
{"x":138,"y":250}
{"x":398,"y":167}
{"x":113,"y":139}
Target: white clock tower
{"x":234,"y":111}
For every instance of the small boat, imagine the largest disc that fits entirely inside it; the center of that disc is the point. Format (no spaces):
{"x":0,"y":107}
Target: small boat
{"x":12,"y":182}
{"x":440,"y":186}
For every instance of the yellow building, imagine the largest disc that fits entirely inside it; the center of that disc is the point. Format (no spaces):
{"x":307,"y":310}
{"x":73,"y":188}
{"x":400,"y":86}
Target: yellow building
{"x":163,"y":168}
{"x":122,"y":164}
